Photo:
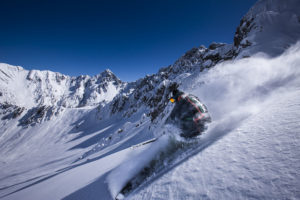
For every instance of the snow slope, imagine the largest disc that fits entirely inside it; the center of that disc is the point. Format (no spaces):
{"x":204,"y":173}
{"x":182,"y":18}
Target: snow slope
{"x":259,"y":158}
{"x":252,"y":145}
{"x":63,"y":184}
{"x":30,"y":156}
{"x":270,"y":26}
{"x":71,"y":136}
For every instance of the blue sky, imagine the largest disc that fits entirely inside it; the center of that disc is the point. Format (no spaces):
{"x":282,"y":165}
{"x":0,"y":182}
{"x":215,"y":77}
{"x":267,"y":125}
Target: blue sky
{"x":132,"y":38}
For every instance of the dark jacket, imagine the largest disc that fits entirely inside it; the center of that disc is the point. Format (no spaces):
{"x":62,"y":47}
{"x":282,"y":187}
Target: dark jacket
{"x":190,"y":115}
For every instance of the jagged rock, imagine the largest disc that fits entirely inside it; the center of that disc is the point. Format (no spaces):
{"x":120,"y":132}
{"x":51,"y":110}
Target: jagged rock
{"x":55,"y":89}
{"x":149,"y":92}
{"x":242,"y":30}
{"x":10,"y":111}
{"x":215,"y":45}
{"x":111,"y":96}
{"x":269,"y":27}
{"x":37,"y":115}
{"x":118,"y":104}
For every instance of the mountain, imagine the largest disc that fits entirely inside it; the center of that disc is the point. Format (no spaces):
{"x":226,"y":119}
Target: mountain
{"x":65,"y":137}
{"x":55,"y":89}
{"x":269,"y":27}
{"x":43,"y":94}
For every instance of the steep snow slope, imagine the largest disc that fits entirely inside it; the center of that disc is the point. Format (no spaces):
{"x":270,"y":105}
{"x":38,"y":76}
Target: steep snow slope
{"x":253,"y":140}
{"x":13,"y":88}
{"x":251,"y":147}
{"x":57,"y":147}
{"x":270,"y":26}
{"x":260,"y":159}
{"x":56,"y":168}
{"x":64,"y":137}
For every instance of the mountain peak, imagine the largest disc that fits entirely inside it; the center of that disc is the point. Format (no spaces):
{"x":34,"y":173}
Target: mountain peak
{"x":107,"y":73}
{"x":108,"y":76}
{"x":37,"y":88}
{"x":270,"y":26}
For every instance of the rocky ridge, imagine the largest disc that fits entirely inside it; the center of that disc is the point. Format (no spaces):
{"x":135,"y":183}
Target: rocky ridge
{"x":36,"y":95}
{"x":49,"y":91}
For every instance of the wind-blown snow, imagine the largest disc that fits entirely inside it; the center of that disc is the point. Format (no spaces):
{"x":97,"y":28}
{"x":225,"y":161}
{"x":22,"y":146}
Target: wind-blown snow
{"x":258,"y":160}
{"x":250,"y":150}
{"x":258,"y":100}
{"x":253,"y":101}
{"x":244,"y":85}
{"x":121,"y":175}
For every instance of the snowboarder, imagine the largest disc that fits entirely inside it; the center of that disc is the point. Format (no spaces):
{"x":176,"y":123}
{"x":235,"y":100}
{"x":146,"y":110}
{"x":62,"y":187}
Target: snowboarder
{"x":189,"y":114}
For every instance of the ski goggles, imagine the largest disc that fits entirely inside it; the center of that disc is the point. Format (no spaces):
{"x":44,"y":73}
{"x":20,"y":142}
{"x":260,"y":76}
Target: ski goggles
{"x":172,"y":100}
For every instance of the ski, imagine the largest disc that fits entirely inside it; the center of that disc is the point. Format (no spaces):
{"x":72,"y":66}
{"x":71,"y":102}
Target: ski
{"x":173,"y":154}
{"x":143,"y":143}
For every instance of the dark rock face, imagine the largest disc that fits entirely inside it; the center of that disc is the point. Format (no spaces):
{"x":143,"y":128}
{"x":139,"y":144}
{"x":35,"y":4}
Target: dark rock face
{"x":213,"y":57}
{"x":242,"y":31}
{"x":146,"y":93}
{"x":118,"y":104}
{"x":198,"y":59}
{"x":10,"y":111}
{"x":149,"y":93}
{"x":215,"y":45}
{"x":152,"y":91}
{"x":37,"y":115}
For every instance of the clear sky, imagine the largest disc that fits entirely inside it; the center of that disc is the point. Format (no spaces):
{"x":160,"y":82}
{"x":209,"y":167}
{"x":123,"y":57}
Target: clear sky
{"x":131,"y":37}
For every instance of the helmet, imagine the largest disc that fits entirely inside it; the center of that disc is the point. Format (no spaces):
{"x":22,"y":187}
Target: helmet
{"x":173,"y":92}
{"x":174,"y":95}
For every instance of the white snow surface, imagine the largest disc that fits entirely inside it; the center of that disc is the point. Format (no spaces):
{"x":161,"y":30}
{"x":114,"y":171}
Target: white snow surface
{"x":250,"y":150}
{"x":260,"y":159}
{"x":254,"y":140}
{"x":251,"y":147}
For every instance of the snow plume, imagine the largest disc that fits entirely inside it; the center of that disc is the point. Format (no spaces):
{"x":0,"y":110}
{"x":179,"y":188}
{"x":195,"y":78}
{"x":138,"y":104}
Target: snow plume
{"x":237,"y":89}
{"x":138,"y":159}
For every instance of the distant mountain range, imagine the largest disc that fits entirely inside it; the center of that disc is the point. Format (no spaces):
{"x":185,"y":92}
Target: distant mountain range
{"x":66,"y":121}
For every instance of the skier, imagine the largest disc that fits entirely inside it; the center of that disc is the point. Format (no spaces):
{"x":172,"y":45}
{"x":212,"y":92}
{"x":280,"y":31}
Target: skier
{"x":189,"y":114}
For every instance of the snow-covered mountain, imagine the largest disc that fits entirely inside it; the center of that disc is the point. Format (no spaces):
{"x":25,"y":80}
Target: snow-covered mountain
{"x":270,"y":27}
{"x":35,"y":88}
{"x":68,"y":137}
{"x":42,"y":94}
